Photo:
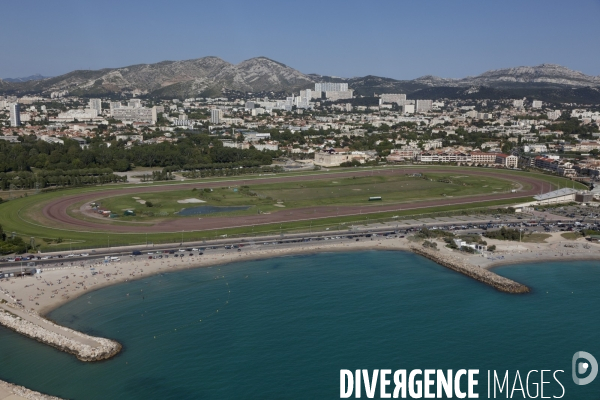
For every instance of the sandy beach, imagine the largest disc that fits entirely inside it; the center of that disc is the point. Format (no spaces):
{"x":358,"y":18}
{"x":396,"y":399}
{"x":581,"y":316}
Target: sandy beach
{"x":41,"y":293}
{"x":44,"y":292}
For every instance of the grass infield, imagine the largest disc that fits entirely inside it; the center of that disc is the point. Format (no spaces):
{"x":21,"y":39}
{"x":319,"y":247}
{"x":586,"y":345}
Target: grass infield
{"x":23,"y":216}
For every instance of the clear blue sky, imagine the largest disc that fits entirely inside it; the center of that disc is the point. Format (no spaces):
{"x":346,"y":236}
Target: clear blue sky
{"x":397,"y":39}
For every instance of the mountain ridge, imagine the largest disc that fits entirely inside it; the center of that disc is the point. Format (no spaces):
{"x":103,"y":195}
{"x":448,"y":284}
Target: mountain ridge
{"x":212,"y":75}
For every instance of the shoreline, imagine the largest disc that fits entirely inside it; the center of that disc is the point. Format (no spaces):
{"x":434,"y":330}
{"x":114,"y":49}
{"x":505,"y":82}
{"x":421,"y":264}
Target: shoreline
{"x":511,"y":253}
{"x":38,"y":299}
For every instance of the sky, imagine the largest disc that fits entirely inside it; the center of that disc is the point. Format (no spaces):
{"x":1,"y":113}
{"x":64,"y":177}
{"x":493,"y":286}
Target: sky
{"x":396,"y":38}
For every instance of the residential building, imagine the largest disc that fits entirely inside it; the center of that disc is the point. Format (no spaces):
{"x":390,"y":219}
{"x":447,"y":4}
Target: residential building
{"x":333,"y":158}
{"x":95,"y":104}
{"x":339,"y":94}
{"x":216,"y":116}
{"x":537,"y":104}
{"x":553,"y":115}
{"x":508,"y":161}
{"x":393,"y":98}
{"x":407,"y":153}
{"x":331,"y":87}
{"x":15,"y":114}
{"x":479,"y":157}
{"x":134,"y":114}
{"x":422,"y":106}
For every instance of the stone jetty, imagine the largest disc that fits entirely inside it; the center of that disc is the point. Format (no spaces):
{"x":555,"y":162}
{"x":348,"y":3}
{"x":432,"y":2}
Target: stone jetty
{"x":16,"y":392}
{"x":84,"y":347}
{"x":482,"y":275}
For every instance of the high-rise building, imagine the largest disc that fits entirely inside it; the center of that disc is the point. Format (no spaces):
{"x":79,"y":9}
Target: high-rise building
{"x":537,"y":104}
{"x":134,"y":114}
{"x":96,"y":104}
{"x":423,"y":105}
{"x":15,"y":114}
{"x":397,"y":98}
{"x":518,"y":103}
{"x":216,"y":116}
{"x":331,"y":87}
{"x":339,"y":95}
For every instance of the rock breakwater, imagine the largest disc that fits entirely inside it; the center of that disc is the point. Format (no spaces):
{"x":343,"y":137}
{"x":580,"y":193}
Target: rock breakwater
{"x":20,"y":392}
{"x":84,"y":347}
{"x":482,"y":275}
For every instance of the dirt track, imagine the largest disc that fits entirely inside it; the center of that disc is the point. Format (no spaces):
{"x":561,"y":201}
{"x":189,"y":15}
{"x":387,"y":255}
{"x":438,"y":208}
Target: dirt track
{"x":57,"y":210}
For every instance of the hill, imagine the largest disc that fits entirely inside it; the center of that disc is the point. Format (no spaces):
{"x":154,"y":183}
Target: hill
{"x":212,"y":76}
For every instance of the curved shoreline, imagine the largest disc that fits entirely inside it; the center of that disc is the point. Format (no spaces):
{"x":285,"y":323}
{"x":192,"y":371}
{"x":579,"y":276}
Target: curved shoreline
{"x":40,"y":303}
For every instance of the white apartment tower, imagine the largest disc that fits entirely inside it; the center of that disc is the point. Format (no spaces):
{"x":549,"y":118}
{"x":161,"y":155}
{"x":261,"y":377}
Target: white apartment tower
{"x":397,"y":98}
{"x":331,"y":87}
{"x":15,"y":114}
{"x":423,"y":105}
{"x":96,"y":104}
{"x":537,"y":104}
{"x":216,"y":116}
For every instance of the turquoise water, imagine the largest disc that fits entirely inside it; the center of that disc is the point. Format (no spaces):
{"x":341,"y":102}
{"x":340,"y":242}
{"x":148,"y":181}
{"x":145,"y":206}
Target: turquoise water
{"x":203,"y":210}
{"x":285,"y":327}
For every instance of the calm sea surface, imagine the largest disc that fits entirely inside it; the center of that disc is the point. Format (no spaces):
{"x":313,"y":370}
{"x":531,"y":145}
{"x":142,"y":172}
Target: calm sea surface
{"x":283,"y":328}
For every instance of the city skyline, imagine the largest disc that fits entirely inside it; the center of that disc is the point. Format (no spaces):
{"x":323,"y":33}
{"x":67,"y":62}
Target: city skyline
{"x":400,"y":41}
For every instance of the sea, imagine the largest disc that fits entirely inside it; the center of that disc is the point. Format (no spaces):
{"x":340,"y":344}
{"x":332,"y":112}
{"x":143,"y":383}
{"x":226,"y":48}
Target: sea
{"x":283,"y":328}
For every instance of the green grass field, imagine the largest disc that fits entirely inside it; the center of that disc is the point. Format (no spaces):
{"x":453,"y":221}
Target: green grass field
{"x":275,"y":197}
{"x":23,"y":215}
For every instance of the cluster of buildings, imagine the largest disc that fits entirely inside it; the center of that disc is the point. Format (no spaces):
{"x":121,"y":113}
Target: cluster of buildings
{"x":322,"y":127}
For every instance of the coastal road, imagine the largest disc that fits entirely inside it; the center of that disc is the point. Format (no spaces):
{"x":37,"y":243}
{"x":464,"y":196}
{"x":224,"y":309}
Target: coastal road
{"x":57,"y":209}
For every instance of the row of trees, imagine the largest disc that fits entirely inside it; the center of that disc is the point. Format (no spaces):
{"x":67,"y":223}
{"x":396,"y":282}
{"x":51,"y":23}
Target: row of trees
{"x":44,"y":179}
{"x":193,"y":149}
{"x":209,"y":172}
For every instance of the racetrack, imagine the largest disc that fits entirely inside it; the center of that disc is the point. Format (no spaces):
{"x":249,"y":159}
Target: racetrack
{"x":57,"y":209}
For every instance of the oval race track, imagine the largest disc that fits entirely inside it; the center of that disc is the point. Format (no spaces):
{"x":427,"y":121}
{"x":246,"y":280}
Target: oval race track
{"x":57,"y":209}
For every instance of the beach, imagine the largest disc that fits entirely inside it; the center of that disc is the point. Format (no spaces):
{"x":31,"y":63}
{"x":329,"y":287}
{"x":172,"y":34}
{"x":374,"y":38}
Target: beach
{"x":42,"y":293}
{"x":54,"y":286}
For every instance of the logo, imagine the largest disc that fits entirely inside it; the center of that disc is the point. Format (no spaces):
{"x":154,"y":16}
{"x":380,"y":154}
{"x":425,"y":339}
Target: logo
{"x":581,"y":367}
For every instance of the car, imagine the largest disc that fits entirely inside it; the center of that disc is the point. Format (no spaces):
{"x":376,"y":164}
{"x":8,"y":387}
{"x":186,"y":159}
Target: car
{"x":181,"y":250}
{"x":84,"y":254}
{"x":191,"y":254}
{"x":149,"y":257}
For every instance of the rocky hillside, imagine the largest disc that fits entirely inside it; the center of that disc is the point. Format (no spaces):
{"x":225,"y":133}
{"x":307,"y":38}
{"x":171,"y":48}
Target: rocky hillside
{"x":173,"y":78}
{"x":210,"y":76}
